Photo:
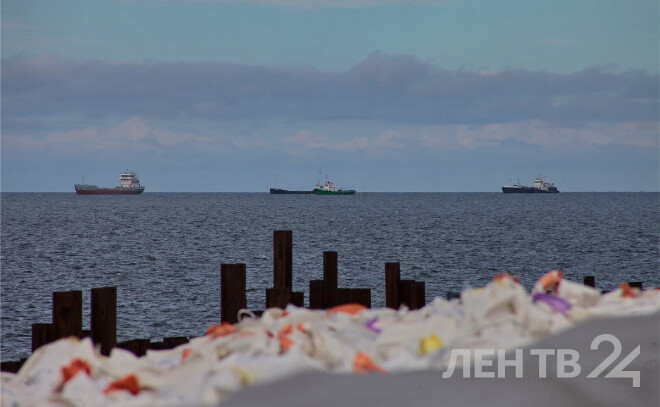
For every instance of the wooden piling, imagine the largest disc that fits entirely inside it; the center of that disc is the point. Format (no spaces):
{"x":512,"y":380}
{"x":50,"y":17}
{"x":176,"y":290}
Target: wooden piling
{"x":174,"y":341}
{"x":360,"y":296}
{"x":12,"y":366}
{"x":283,"y":259}
{"x":421,"y":294}
{"x":330,"y":269}
{"x":298,"y":299}
{"x":42,"y":334}
{"x":408,"y":290}
{"x":138,"y":347}
{"x":342,"y":296}
{"x":104,"y":318}
{"x":590,"y":281}
{"x":392,"y":280}
{"x":278,"y":297}
{"x":331,"y":294}
{"x":157,"y":346}
{"x":317,"y":294}
{"x":232,"y":291}
{"x":67,"y":314}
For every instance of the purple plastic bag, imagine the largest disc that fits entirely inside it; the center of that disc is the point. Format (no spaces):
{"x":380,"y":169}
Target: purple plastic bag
{"x":558,"y":304}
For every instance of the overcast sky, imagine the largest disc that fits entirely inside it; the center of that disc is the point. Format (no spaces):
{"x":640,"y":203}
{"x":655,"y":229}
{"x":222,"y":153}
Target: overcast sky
{"x":384,"y":95}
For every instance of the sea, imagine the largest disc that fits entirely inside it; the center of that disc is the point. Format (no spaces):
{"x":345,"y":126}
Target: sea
{"x":163,"y":251}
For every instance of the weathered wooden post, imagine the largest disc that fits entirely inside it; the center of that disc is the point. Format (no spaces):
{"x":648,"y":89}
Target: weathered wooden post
{"x":104,"y":318}
{"x":331,"y":295}
{"x":42,"y":334}
{"x":408,"y":290}
{"x":342,"y":296}
{"x":283,"y":259}
{"x":67,"y":314}
{"x":232,"y":291}
{"x":317,"y":294}
{"x":360,"y":296}
{"x":139,"y":347}
{"x":277,"y":297}
{"x":392,"y":280}
{"x":421,"y":294}
{"x":282,"y":292}
{"x":12,"y":366}
{"x":590,"y":281}
{"x":298,"y":298}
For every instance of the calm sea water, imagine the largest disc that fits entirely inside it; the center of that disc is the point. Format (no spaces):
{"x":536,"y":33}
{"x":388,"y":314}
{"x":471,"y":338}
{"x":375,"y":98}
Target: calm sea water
{"x":163,"y":251}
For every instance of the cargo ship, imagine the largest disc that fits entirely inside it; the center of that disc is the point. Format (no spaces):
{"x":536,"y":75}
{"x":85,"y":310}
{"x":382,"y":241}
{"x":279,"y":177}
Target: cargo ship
{"x":289,"y":191}
{"x":539,"y":186}
{"x":129,"y":185}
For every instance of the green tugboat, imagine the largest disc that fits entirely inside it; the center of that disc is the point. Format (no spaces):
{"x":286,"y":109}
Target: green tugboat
{"x":330,"y":189}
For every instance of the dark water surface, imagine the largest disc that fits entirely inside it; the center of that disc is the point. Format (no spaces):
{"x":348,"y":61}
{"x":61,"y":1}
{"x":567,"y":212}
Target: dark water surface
{"x":163,"y":250}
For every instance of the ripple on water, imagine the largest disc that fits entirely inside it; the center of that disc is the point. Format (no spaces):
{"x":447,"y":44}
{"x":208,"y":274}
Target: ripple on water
{"x":163,"y":251}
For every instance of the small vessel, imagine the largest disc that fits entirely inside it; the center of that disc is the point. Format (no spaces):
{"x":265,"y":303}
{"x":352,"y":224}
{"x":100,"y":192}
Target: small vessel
{"x":330,"y":189}
{"x":129,"y":185}
{"x":288,"y":191}
{"x":539,"y":186}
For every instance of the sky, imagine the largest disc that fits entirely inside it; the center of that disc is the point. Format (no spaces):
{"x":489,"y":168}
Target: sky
{"x":383,"y":95}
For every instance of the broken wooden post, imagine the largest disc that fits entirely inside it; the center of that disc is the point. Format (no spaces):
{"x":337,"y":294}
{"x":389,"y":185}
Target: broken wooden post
{"x":232,"y":291}
{"x":408,"y":291}
{"x":278,"y":297}
{"x":282,"y":292}
{"x":331,"y":295}
{"x":104,"y":318}
{"x":42,"y":334}
{"x":174,"y":341}
{"x":67,"y":314}
{"x":298,"y":299}
{"x":316,"y":294}
{"x":283,"y":259}
{"x":421,"y":294}
{"x":392,"y":280}
{"x":590,"y":281}
{"x":12,"y":366}
{"x":138,"y":347}
{"x":342,"y":296}
{"x":360,"y":296}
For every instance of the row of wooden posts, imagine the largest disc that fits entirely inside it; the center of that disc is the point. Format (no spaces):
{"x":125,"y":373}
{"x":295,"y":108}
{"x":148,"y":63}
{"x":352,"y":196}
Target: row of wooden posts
{"x":323,"y":294}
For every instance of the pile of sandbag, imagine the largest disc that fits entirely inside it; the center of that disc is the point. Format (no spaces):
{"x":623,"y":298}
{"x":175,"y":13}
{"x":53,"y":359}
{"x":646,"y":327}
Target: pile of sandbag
{"x":345,"y":339}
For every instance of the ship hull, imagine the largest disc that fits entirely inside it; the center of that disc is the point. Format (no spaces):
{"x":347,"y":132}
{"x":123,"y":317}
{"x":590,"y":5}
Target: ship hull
{"x":527,"y":190}
{"x":110,"y":191}
{"x":342,"y":192}
{"x":278,"y":191}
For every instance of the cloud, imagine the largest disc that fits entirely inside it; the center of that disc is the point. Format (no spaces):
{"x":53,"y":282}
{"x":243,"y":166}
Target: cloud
{"x":133,"y":129}
{"x":50,"y":101}
{"x":88,"y":135}
{"x":393,"y":89}
{"x":304,"y":141}
{"x":530,"y":135}
{"x":131,"y":135}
